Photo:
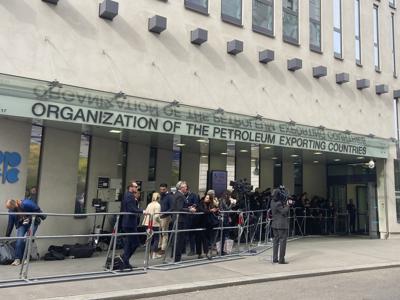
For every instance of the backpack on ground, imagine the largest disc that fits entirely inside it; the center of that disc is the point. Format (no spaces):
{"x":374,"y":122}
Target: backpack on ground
{"x":118,"y":263}
{"x":79,"y":250}
{"x":7,"y":253}
{"x":53,"y":255}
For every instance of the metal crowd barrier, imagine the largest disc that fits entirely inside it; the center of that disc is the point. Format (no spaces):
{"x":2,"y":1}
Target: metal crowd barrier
{"x":251,"y":231}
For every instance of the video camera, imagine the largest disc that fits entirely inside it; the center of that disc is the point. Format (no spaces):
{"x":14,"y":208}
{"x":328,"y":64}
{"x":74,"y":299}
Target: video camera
{"x":241,"y":186}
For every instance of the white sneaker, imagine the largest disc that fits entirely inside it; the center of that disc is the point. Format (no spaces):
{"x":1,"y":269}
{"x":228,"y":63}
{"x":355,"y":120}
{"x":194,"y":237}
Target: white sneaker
{"x":16,"y":262}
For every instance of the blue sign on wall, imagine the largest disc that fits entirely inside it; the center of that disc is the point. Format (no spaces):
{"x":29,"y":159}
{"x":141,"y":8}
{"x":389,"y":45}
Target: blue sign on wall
{"x":9,"y":161}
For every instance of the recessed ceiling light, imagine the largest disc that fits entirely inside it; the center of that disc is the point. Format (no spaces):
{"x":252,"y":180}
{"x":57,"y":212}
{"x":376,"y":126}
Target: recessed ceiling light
{"x":253,"y":159}
{"x":224,"y":153}
{"x":317,"y":153}
{"x":336,"y":159}
{"x":315,"y":161}
{"x":115,"y":131}
{"x":119,"y":165}
{"x":244,"y":150}
{"x":201,"y":141}
{"x":204,"y":156}
{"x":181,"y":145}
{"x":277,"y":165}
{"x":294,"y":155}
{"x":360,"y":157}
{"x":296,"y":163}
{"x":267,"y":147}
{"x":274,"y":158}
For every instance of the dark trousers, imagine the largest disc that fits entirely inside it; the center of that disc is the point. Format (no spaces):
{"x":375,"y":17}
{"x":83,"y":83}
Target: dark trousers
{"x":155,"y":239}
{"x":131,"y":243}
{"x":201,"y":242}
{"x":180,"y":242}
{"x":279,"y":241}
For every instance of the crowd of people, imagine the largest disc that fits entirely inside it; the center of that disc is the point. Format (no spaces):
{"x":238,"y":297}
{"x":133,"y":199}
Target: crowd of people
{"x":190,"y":213}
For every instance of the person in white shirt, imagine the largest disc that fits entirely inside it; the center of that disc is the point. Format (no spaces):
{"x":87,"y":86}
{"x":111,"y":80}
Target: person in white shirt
{"x":152,"y":212}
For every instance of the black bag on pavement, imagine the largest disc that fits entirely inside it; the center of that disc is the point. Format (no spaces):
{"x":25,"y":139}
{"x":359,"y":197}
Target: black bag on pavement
{"x":79,"y":250}
{"x":118,"y":263}
{"x":7,"y":253}
{"x":53,"y":255}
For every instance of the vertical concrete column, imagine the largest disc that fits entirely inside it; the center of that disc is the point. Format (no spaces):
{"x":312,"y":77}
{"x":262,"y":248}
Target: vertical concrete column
{"x":14,"y":137}
{"x":164,"y":165}
{"x":314,"y":179}
{"x":190,"y":167}
{"x":266,"y":173}
{"x":386,"y":195}
{"x":58,"y":181}
{"x":104,"y":157}
{"x":138,"y":164}
{"x":217,"y":161}
{"x":243,"y":162}
{"x":288,"y":175}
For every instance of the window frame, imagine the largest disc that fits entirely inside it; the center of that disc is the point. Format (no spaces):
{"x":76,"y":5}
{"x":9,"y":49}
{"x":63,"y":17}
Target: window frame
{"x":314,"y":21}
{"x":260,"y":29}
{"x":230,"y":19}
{"x":392,"y":21}
{"x":377,"y":43}
{"x":338,"y":30}
{"x":289,"y":39}
{"x":197,"y":8}
{"x":358,"y":10}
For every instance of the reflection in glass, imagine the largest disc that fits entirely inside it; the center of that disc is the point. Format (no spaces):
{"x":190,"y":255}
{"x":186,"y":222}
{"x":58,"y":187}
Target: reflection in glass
{"x":34,"y":157}
{"x":357,"y":30}
{"x":176,"y":160}
{"x":263,"y":16}
{"x":376,"y":37}
{"x":315,"y":25}
{"x":83,"y":163}
{"x":290,"y":21}
{"x":337,"y":28}
{"x":232,"y":9}
{"x":230,"y":161}
{"x":197,"y":5}
{"x":255,"y":166}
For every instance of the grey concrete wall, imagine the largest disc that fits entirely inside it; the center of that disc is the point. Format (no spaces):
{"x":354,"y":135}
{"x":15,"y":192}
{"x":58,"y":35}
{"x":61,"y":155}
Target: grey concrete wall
{"x":14,"y":137}
{"x":266,"y":173}
{"x":314,"y":180}
{"x":58,"y":180}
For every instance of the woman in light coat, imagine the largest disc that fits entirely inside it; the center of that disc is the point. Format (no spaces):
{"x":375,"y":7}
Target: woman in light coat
{"x":152,"y":212}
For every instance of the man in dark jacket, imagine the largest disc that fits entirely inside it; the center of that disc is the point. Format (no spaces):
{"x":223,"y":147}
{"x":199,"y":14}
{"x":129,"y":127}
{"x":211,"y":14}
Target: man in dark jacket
{"x":22,"y":223}
{"x":180,"y":205}
{"x":166,"y":203}
{"x":129,"y":224}
{"x":280,"y":224}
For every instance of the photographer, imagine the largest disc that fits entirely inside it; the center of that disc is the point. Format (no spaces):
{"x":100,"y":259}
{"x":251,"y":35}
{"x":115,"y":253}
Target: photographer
{"x":280,"y":223}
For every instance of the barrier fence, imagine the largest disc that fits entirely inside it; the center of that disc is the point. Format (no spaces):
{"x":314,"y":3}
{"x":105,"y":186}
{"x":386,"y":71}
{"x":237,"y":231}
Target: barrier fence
{"x":248,"y":232}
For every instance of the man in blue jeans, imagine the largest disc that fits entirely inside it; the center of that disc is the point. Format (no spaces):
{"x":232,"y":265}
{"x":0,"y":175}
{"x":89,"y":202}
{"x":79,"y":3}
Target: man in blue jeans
{"x":22,"y":223}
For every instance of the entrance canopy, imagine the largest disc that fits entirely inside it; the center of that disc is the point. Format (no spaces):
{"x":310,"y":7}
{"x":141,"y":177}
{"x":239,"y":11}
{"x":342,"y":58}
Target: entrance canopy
{"x":43,"y":100}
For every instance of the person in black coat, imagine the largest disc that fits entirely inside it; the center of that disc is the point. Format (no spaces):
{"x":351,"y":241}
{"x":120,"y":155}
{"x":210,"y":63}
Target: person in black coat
{"x":280,"y":224}
{"x":129,"y":224}
{"x":180,"y":205}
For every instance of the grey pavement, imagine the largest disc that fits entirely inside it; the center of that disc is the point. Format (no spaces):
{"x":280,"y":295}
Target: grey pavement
{"x":311,"y":256}
{"x":374,"y":284}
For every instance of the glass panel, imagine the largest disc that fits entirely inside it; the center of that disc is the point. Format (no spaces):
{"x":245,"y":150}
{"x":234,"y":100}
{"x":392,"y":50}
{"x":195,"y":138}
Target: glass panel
{"x":263,"y":14}
{"x":358,"y":51}
{"x":375,"y":22}
{"x":230,"y":161}
{"x":81,"y":187}
{"x":376,"y":56}
{"x":336,"y":14}
{"x":152,"y":164}
{"x":357,"y":17}
{"x":291,"y":4}
{"x":290,"y":26}
{"x":315,"y":34}
{"x":337,"y":43}
{"x":393,"y":44}
{"x":202,"y":3}
{"x":232,"y":8}
{"x":203,"y":169}
{"x":255,"y":166}
{"x":397,"y":187}
{"x":315,"y":10}
{"x":34,"y":162}
{"x":176,"y":160}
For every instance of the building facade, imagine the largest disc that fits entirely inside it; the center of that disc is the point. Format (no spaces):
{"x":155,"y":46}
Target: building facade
{"x":94,"y":94}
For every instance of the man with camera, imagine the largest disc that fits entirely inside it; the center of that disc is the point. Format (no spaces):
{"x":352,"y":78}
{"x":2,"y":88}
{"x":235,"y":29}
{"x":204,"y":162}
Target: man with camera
{"x":280,"y":223}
